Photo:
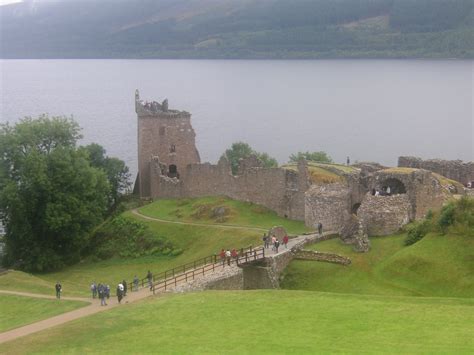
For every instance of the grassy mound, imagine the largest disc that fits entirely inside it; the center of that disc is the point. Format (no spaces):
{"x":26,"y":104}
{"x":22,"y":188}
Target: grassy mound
{"x":265,"y":322}
{"x":17,"y":311}
{"x":22,"y":281}
{"x":438,"y":265}
{"x":220,"y":210}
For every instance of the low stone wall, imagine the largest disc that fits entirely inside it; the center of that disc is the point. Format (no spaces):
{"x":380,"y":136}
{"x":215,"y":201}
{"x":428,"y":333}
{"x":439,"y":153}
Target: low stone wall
{"x":318,"y":256}
{"x":228,"y":278}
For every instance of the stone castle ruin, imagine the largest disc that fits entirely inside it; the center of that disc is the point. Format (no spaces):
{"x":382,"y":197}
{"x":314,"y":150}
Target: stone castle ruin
{"x":361,"y":200}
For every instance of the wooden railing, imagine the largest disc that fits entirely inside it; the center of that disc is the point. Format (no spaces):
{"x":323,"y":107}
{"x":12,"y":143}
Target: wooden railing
{"x":217,"y":263}
{"x":189,"y":267}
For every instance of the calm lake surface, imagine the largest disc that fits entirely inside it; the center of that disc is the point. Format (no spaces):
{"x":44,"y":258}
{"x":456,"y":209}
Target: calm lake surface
{"x":368,"y":109}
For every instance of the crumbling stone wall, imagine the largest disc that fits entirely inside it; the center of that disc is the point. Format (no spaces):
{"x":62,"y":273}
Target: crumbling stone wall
{"x":423,"y":189}
{"x":384,"y":215}
{"x":166,"y":134}
{"x":452,"y":169}
{"x":275,"y":188}
{"x":328,"y":204}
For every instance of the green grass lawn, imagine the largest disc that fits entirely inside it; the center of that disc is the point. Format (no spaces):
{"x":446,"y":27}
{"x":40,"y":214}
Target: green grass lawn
{"x":290,"y":322}
{"x":199,"y":210}
{"x":195,"y":241}
{"x":17,"y":311}
{"x":22,"y":281}
{"x":435,"y":266}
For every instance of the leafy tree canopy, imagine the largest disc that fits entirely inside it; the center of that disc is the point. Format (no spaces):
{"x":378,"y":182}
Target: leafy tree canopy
{"x":241,"y":150}
{"x":115,"y":169}
{"x":51,"y":197}
{"x":320,"y":157}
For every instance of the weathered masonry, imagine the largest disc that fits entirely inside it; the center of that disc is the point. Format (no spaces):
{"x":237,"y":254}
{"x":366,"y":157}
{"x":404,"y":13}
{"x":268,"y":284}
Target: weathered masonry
{"x":355,"y":201}
{"x":169,"y":166}
{"x":166,"y":134}
{"x":452,"y":169}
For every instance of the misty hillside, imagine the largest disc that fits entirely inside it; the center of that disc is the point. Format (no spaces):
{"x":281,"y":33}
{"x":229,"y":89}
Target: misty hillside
{"x":237,"y":29}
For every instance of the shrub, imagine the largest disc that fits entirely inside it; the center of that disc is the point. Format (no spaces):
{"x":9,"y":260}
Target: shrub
{"x":446,"y":217}
{"x":417,"y":231}
{"x":124,"y":237}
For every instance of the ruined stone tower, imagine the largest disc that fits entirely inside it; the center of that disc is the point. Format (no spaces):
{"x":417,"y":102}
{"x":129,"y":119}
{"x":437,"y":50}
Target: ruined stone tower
{"x":166,"y":135}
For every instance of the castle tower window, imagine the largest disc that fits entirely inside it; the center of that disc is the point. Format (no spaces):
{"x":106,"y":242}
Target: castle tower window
{"x":172,"y":148}
{"x":162,"y":131}
{"x":173,"y":171}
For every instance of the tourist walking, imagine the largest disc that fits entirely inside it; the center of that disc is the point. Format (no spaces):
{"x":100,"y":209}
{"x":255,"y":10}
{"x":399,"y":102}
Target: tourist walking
{"x":285,"y":241}
{"x":234,"y":253}
{"x":265,"y":241}
{"x":120,"y":289}
{"x":107,"y":291}
{"x":222,"y":256}
{"x":58,"y":289}
{"x":135,"y":282}
{"x":320,"y":228}
{"x":277,"y":244}
{"x":149,"y":276}
{"x":102,"y":295}
{"x":273,"y":242}
{"x":227,"y":256}
{"x":124,"y":283}
{"x":94,"y":290}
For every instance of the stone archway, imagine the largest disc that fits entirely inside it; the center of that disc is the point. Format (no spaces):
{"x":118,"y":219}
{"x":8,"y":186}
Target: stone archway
{"x":393,"y":186}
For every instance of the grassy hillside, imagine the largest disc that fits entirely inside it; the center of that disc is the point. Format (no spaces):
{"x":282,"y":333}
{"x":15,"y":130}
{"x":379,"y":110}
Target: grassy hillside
{"x":438,"y":265}
{"x":238,"y":29}
{"x":195,"y":241}
{"x":271,"y":322}
{"x":17,"y":311}
{"x":205,"y":211}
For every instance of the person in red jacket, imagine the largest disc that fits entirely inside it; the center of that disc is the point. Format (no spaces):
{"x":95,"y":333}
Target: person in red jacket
{"x":285,"y":241}
{"x":222,"y":256}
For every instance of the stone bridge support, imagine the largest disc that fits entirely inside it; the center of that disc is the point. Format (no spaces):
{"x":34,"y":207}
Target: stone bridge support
{"x":265,"y":273}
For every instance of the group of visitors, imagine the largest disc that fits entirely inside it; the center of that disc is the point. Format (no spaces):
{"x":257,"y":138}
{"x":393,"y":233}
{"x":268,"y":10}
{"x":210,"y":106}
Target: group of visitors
{"x":102,"y":291}
{"x":385,"y":191}
{"x":274,"y":241}
{"x":228,"y":255}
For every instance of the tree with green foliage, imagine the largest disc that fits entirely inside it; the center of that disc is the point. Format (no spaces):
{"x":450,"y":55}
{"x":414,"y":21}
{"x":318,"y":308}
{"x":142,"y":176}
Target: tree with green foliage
{"x":115,"y":169}
{"x":241,"y":150}
{"x":320,"y":157}
{"x":50,"y":196}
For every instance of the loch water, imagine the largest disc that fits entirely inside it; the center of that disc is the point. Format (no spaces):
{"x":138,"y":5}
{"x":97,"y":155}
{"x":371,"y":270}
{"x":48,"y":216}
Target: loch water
{"x":370,"y":110}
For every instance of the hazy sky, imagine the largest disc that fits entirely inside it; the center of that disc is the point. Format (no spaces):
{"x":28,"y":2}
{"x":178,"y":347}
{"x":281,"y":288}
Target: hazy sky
{"x":4,"y":2}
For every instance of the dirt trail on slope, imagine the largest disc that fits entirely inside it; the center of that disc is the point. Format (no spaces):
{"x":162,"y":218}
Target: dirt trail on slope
{"x":231,"y":226}
{"x":38,"y":295}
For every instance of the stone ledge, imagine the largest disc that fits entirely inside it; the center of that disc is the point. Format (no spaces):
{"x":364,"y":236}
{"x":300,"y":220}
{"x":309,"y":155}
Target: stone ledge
{"x":318,"y":256}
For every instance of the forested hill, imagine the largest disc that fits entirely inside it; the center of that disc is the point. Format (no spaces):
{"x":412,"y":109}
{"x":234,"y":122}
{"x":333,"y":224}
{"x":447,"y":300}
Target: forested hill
{"x":238,"y":29}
